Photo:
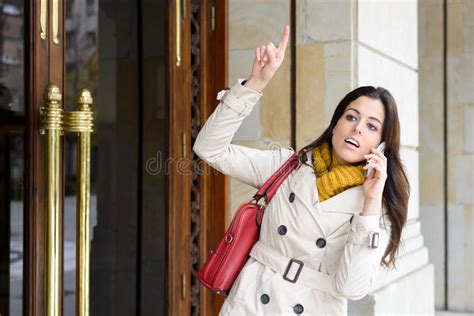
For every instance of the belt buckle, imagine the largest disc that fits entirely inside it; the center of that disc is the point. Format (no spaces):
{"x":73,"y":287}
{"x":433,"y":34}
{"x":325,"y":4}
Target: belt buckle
{"x":285,"y":275}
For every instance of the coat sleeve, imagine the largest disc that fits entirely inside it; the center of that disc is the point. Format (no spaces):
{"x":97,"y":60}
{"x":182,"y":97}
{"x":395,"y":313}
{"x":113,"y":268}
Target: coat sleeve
{"x":360,"y":263}
{"x":213,"y":143}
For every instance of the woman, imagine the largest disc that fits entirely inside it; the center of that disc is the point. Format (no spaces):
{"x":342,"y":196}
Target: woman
{"x":329,"y":227}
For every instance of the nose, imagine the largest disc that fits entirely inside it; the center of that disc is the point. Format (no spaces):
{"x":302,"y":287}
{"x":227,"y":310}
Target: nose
{"x":356,"y":129}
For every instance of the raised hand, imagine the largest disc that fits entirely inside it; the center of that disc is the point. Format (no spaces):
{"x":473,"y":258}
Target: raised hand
{"x":267,"y":60}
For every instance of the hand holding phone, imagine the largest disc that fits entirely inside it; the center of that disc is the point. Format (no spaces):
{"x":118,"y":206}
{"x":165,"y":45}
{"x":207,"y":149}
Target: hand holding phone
{"x":368,"y":171}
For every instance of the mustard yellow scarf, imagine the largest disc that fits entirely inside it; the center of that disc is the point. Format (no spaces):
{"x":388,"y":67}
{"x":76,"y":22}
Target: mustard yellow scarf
{"x":335,"y":178}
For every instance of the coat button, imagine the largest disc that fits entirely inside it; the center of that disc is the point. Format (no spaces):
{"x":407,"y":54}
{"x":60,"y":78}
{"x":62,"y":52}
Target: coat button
{"x":292,"y":197}
{"x":321,"y":242}
{"x":264,"y":298}
{"x":350,"y":221}
{"x":282,"y":230}
{"x":298,"y":309}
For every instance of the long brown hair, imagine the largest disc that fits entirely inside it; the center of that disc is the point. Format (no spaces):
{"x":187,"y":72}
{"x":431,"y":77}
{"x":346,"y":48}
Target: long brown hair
{"x":397,"y":189}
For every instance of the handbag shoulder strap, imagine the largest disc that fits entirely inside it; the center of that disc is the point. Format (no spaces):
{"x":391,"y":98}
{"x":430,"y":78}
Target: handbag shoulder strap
{"x":270,"y":186}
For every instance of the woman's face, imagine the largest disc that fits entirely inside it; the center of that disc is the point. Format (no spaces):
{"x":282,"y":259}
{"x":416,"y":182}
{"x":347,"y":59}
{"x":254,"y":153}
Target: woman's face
{"x":358,"y":130}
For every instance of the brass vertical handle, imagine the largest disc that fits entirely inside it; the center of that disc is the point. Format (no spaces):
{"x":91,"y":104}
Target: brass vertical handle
{"x":51,"y":116}
{"x":53,"y":123}
{"x":56,"y":21}
{"x":178,"y":17}
{"x":43,"y":18}
{"x":81,"y":122}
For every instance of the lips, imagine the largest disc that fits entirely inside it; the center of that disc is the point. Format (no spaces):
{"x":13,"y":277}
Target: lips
{"x":352,"y":142}
{"x":350,"y":147}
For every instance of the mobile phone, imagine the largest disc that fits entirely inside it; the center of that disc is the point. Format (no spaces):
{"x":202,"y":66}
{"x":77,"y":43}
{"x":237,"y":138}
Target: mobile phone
{"x":381,"y":147}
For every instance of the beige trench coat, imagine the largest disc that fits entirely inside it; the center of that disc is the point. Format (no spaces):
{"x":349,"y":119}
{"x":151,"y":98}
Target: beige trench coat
{"x":330,"y":238}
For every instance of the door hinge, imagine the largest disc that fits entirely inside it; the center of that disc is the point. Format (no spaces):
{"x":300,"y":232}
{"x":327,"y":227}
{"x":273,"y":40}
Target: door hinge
{"x":183,"y":144}
{"x":183,"y":286}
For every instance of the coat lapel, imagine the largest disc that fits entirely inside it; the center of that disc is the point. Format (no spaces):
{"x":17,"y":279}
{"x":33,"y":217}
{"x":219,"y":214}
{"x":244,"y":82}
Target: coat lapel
{"x":304,"y":187}
{"x":303,"y":184}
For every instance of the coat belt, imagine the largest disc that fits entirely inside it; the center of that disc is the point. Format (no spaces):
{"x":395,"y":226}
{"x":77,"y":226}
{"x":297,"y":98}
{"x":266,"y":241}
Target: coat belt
{"x":292,"y":270}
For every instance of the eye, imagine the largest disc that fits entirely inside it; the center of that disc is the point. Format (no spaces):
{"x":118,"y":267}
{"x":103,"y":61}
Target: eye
{"x":372,"y":127}
{"x":350,"y":117}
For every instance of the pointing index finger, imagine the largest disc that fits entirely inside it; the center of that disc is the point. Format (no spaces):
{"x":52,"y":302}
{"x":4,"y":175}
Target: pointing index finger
{"x":283,"y":41}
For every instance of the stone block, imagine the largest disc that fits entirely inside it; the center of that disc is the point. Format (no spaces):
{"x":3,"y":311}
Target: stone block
{"x":461,"y":179}
{"x":432,"y":228}
{"x":431,"y":85}
{"x":469,"y":129}
{"x":390,"y":27}
{"x":456,"y":130}
{"x":240,"y":64}
{"x":276,"y":106}
{"x":323,"y":21}
{"x":456,"y":27}
{"x":460,"y":258}
{"x":310,"y":93}
{"x":461,"y":79}
{"x":338,"y":71}
{"x":430,"y":28}
{"x":255,"y":23}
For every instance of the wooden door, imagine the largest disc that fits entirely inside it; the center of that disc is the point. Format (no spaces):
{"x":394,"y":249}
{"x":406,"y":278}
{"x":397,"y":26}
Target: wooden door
{"x":153,"y":68}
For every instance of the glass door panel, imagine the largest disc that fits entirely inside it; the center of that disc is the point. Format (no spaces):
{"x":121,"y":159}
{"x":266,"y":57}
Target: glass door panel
{"x":101,"y":55}
{"x":12,"y":127}
{"x":121,"y":59}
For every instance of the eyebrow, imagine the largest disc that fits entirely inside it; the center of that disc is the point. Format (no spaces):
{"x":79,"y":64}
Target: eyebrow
{"x":371,"y":117}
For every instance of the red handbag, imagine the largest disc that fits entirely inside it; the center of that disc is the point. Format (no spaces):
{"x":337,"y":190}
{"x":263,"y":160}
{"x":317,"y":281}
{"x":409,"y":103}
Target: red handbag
{"x":224,"y":264}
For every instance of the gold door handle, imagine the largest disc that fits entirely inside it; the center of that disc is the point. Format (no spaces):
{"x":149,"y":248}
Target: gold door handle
{"x":81,"y":123}
{"x":53,"y":123}
{"x":180,"y":12}
{"x":43,"y":18}
{"x":51,"y":116}
{"x":56,"y":21}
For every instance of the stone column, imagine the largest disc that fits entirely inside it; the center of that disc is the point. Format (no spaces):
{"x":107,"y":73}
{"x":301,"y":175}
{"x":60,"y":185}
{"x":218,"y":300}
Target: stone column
{"x":454,"y":221}
{"x":460,"y":151}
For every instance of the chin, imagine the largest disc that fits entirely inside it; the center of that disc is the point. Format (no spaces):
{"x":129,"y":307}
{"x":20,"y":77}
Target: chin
{"x":352,"y":159}
{"x":347,"y":155}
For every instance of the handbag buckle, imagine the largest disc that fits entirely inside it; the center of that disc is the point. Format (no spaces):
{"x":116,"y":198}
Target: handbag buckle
{"x":260,"y":210}
{"x":285,"y":275}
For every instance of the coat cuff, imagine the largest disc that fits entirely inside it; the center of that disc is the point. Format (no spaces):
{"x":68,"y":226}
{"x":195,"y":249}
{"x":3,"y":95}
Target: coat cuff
{"x":364,"y":230}
{"x":239,"y":98}
{"x":366,"y":222}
